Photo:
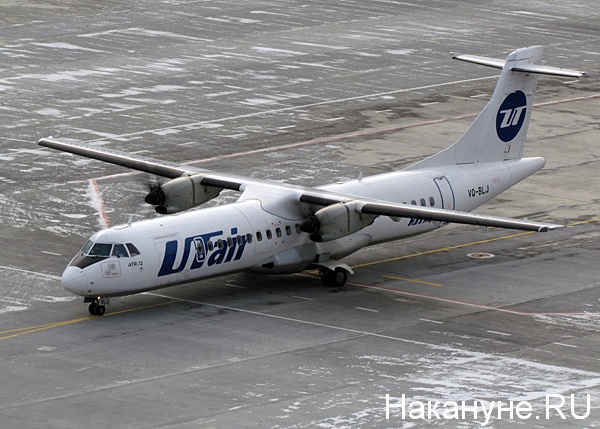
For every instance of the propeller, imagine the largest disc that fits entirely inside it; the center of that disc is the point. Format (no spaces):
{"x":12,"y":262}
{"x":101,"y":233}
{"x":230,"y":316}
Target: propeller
{"x":156,"y":196}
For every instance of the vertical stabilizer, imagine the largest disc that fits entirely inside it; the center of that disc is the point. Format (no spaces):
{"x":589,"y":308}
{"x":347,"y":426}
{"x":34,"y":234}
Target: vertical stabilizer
{"x":500,"y":130}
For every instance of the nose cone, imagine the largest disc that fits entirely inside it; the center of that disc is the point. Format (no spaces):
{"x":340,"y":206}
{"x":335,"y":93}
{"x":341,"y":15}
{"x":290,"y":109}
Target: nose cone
{"x":74,"y":280}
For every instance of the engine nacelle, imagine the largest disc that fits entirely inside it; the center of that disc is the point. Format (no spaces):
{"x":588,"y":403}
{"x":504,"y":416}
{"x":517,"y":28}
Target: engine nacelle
{"x":336,"y":221}
{"x":181,"y":194}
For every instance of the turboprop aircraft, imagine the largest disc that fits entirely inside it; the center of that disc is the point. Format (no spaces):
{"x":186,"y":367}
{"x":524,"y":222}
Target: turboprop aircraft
{"x":284,"y":228}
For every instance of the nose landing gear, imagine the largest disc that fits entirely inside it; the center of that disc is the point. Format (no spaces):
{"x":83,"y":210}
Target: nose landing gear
{"x":97,"y":305}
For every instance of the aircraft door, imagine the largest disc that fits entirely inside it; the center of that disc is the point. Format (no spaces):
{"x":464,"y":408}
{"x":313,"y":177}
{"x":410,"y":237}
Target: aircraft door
{"x":446,"y":192}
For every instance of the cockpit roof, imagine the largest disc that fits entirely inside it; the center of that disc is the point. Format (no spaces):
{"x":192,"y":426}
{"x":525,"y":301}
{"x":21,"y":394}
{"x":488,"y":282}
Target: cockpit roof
{"x":109,"y":236}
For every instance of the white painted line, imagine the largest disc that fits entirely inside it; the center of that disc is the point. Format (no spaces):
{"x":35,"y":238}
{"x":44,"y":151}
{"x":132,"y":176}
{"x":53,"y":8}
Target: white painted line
{"x":432,"y":321}
{"x":500,"y":333}
{"x":48,"y":276}
{"x":430,"y":104}
{"x":237,"y":286}
{"x":302,"y":297}
{"x":565,"y":345}
{"x":367,"y":309}
{"x":51,"y":253}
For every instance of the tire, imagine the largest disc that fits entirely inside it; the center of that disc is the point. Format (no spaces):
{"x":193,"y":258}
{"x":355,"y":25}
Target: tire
{"x":340,"y":276}
{"x":336,"y":278}
{"x":92,"y":308}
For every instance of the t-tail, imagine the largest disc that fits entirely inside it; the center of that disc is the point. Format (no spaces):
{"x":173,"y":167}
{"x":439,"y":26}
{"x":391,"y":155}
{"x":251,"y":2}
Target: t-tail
{"x":500,"y":130}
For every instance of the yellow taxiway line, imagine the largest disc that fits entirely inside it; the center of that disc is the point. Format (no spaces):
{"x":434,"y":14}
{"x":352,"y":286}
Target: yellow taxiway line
{"x":17,"y":332}
{"x":411,"y":280}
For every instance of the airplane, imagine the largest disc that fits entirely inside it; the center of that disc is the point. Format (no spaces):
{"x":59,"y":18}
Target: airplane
{"x":284,"y":228}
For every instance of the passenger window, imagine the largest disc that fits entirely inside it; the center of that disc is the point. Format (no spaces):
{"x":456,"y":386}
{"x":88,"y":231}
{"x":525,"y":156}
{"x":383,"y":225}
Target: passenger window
{"x":101,"y":250}
{"x":413,"y":202}
{"x":423,"y":203}
{"x":298,"y":231}
{"x":119,"y":251}
{"x":249,"y":238}
{"x":229,"y":242}
{"x":269,"y":234}
{"x":220,"y":244}
{"x":278,"y":232}
{"x":288,"y":230}
{"x":431,"y":201}
{"x":210,"y":246}
{"x":132,"y":250}
{"x":258,"y":236}
{"x":239,"y":240}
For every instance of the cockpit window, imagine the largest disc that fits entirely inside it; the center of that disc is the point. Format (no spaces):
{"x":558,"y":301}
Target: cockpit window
{"x":119,"y":251}
{"x":86,"y":248}
{"x":92,"y":253}
{"x":132,"y":250}
{"x":101,"y":250}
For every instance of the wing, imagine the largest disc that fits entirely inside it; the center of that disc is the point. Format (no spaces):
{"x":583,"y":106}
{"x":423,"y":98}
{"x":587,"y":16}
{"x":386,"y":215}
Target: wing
{"x":147,"y":165}
{"x":398,"y":210}
{"x":317,"y":199}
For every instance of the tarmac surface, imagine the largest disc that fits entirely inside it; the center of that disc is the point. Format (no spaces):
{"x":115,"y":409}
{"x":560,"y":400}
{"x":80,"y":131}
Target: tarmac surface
{"x":311,"y":93}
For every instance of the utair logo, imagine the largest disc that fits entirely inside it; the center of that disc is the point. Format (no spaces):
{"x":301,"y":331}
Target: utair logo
{"x":225,"y":250}
{"x":511,"y":116}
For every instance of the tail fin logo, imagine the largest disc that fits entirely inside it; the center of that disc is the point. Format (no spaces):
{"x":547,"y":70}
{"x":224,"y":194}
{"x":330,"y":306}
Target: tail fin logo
{"x":511,"y":116}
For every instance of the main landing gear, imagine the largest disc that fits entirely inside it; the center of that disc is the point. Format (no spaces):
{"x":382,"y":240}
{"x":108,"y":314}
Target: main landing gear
{"x":97,"y":305}
{"x":336,"y":277}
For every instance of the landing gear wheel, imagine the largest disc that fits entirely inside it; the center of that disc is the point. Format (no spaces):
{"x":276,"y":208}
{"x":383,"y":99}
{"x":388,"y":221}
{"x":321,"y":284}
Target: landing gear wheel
{"x":337,"y":277}
{"x":96,"y":310}
{"x":340,"y":276}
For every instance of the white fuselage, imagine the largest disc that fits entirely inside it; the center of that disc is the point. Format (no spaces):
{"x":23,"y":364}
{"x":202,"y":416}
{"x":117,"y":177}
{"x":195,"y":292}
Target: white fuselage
{"x":259,"y":233}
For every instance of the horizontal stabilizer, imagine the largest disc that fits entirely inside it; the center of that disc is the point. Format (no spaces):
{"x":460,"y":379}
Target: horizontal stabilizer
{"x":484,"y":61}
{"x":526,"y":68}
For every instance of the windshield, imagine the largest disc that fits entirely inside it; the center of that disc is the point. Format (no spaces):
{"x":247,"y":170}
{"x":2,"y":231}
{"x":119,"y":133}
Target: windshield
{"x":101,"y":250}
{"x":92,"y":253}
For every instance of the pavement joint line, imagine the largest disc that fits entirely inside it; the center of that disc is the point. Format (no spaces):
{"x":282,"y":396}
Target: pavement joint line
{"x":337,"y":137}
{"x":463,"y":245}
{"x":167,"y":375}
{"x":288,"y":109}
{"x":479,"y":306}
